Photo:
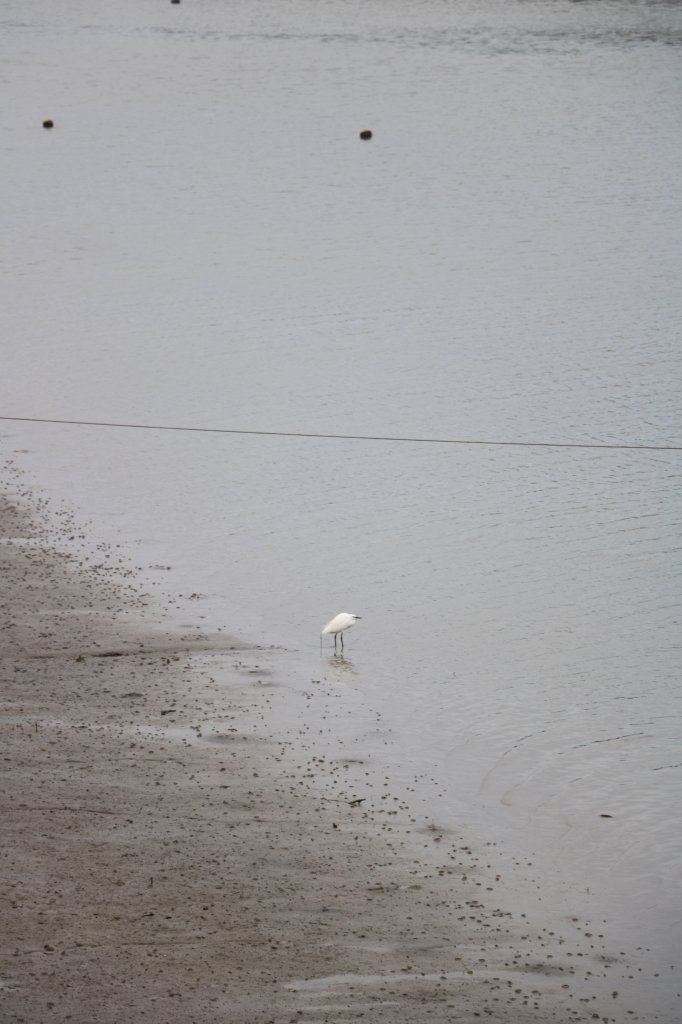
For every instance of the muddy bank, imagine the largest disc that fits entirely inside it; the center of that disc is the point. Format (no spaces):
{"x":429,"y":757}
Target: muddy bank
{"x":173,"y":850}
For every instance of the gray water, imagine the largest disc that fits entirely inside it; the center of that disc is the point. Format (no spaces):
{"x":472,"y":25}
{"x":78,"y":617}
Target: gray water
{"x":203,"y":240}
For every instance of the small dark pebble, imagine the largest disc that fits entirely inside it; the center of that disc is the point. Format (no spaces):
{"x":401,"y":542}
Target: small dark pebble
{"x":48,"y":123}
{"x":365,"y":134}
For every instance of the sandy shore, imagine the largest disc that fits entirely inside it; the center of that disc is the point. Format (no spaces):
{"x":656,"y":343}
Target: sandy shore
{"x":172,"y":851}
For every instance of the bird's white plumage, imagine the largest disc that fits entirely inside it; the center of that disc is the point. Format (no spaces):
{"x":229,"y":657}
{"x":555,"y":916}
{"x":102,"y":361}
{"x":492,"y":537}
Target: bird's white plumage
{"x":344,"y":620}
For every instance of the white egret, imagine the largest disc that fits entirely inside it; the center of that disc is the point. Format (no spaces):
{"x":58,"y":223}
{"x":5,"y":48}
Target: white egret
{"x":340,"y":622}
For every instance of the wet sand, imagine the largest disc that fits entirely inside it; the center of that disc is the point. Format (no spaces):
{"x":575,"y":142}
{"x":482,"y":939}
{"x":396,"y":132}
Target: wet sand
{"x":173,"y":851}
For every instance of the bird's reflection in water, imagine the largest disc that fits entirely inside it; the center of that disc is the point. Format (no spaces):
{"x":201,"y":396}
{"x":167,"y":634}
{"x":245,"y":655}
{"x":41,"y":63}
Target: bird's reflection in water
{"x":341,"y":664}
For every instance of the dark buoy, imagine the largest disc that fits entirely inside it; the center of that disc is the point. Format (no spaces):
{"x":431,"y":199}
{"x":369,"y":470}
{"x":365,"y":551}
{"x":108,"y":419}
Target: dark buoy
{"x":48,"y":123}
{"x":365,"y":134}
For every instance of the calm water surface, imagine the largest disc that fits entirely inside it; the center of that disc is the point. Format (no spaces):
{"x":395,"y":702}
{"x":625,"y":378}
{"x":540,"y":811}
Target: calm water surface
{"x":202,"y":239}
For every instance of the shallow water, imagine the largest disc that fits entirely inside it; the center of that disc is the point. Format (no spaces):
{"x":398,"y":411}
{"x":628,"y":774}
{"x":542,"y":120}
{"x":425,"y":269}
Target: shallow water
{"x":203,"y":240}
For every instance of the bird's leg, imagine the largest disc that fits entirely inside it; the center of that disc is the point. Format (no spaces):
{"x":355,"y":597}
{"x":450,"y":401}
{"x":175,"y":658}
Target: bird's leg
{"x":341,"y":635}
{"x":335,"y":636}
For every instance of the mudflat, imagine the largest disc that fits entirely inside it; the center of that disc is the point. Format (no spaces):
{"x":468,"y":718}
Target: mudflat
{"x":171,"y":850}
